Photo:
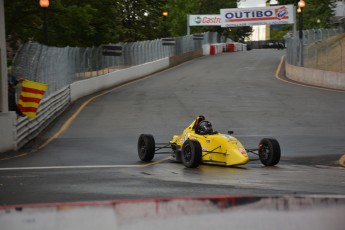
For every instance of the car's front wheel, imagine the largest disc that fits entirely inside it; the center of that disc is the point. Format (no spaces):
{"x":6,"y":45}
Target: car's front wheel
{"x":269,"y":151}
{"x":191,"y":154}
{"x":146,"y":147}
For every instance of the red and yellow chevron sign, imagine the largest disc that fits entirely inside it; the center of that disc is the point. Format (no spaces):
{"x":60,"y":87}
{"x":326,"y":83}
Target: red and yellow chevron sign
{"x":30,"y":97}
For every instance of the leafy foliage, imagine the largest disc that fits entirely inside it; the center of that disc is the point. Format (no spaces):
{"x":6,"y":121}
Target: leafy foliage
{"x":94,"y":22}
{"x":84,"y":22}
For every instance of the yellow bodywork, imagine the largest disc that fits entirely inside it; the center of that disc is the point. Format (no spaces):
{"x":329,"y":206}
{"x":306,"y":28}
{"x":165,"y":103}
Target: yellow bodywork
{"x":222,"y":149}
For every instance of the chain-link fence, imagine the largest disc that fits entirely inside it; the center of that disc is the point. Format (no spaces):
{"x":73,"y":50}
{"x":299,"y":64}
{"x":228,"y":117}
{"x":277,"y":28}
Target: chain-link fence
{"x":322,"y":49}
{"x":59,"y":67}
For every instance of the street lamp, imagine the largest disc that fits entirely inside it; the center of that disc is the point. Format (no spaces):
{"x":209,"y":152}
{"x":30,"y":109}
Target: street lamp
{"x":165,"y":13}
{"x":45,"y":4}
{"x":301,"y":5}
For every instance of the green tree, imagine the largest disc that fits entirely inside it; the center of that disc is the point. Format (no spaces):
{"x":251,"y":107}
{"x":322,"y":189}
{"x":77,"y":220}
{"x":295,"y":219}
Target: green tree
{"x":71,"y":25}
{"x":239,"y":34}
{"x":66,"y":25}
{"x":316,"y":14}
{"x":84,"y":22}
{"x":177,"y":19}
{"x":314,"y":10}
{"x":141,"y":19}
{"x":23,"y":20}
{"x":94,"y":22}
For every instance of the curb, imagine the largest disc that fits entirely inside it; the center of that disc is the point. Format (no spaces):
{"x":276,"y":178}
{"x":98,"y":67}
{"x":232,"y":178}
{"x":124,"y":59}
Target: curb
{"x":342,"y":160}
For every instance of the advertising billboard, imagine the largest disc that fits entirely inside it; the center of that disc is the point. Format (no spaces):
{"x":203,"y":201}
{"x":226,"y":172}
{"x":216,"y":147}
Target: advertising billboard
{"x":272,"y":15}
{"x":204,"y":20}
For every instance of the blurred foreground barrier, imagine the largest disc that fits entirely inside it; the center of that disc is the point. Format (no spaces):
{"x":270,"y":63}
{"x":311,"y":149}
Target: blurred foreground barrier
{"x":227,"y":212}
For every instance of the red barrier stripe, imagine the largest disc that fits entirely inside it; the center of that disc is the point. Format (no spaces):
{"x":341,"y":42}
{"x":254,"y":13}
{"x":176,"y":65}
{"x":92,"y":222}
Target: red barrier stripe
{"x":30,"y":99}
{"x":31,"y":90}
{"x":27,"y":109}
{"x":139,"y":200}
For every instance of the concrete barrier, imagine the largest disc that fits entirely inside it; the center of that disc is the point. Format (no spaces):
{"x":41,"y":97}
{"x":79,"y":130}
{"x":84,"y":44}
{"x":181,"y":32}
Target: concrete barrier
{"x":178,"y":59}
{"x":235,"y":46}
{"x":7,"y":132}
{"x":316,"y":77}
{"x":86,"y":87}
{"x":230,"y":47}
{"x":227,"y":212}
{"x":213,"y":49}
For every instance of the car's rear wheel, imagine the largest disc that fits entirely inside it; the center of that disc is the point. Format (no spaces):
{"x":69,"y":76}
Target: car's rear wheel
{"x":191,"y":154}
{"x":269,"y":151}
{"x":146,"y":147}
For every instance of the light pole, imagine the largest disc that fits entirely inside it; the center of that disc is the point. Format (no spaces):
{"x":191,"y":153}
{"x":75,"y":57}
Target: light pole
{"x":45,"y":4}
{"x":165,"y":14}
{"x":3,"y":63}
{"x":301,"y":5}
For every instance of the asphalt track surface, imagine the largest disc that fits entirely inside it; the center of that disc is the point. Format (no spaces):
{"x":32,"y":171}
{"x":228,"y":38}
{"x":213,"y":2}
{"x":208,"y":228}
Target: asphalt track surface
{"x":95,"y":156}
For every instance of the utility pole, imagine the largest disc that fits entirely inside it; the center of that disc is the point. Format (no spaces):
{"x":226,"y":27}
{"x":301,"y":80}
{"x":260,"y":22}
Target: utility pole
{"x":3,"y":62}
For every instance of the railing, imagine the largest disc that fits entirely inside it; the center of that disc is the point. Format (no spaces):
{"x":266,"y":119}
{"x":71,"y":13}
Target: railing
{"x":59,"y":67}
{"x":322,"y":49}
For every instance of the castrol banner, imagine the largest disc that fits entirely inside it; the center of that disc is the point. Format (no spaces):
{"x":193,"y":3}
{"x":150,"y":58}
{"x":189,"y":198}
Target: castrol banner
{"x":271,"y":15}
{"x":204,"y":20}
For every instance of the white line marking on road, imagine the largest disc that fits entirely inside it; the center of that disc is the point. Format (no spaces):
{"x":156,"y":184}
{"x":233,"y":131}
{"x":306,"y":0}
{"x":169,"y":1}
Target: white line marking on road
{"x":72,"y":167}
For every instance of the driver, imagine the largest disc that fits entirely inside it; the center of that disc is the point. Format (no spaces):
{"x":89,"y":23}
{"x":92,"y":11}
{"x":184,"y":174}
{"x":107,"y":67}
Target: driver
{"x":204,"y":128}
{"x":199,"y":119}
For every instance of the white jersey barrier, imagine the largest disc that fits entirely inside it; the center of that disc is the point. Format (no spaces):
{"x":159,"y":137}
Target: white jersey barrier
{"x":217,"y":48}
{"x":115,"y":78}
{"x":213,"y":49}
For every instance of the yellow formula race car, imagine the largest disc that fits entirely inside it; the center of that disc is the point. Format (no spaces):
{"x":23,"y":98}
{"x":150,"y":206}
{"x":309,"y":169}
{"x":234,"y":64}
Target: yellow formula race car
{"x":198,"y":144}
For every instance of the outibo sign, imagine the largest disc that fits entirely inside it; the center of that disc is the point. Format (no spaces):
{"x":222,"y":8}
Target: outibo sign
{"x":204,"y":20}
{"x":257,"y":16}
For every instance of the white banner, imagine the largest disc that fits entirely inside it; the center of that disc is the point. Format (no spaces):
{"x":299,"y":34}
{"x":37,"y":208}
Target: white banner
{"x":272,"y":15}
{"x":204,"y":20}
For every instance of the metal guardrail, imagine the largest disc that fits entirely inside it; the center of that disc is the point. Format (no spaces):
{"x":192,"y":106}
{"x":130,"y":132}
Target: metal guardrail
{"x":50,"y":108}
{"x":59,"y":67}
{"x":322,"y":49}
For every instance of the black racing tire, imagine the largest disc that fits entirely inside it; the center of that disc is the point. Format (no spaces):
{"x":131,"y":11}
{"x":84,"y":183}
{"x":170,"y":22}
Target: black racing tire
{"x":191,"y":154}
{"x":269,"y":152}
{"x":146,"y":147}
